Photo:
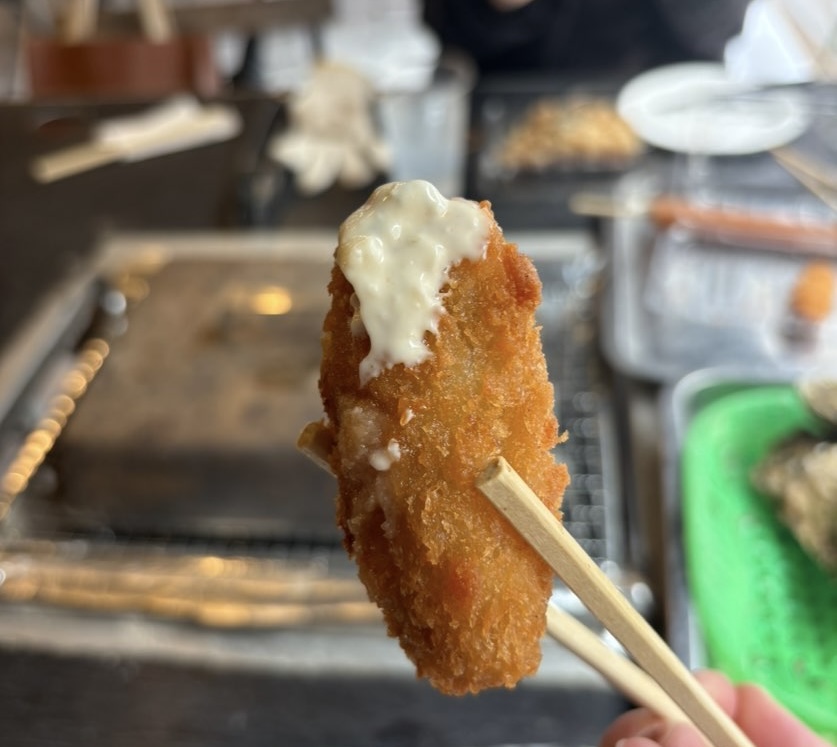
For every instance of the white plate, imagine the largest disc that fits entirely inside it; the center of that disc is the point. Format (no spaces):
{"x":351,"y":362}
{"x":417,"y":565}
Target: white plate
{"x":688,"y":108}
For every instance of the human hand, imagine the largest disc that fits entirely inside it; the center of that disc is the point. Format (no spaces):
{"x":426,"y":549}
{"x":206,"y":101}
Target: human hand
{"x":761,"y":718}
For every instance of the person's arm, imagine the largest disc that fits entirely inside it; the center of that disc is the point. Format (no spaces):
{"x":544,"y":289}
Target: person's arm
{"x":761,"y":718}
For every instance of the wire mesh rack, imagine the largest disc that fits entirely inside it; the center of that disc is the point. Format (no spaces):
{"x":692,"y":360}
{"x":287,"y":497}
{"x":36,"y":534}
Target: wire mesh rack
{"x":100,"y":559}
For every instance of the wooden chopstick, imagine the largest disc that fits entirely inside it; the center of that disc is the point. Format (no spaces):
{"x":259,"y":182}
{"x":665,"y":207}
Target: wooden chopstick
{"x":80,"y":24}
{"x":623,"y":674}
{"x":825,"y":176}
{"x":315,"y":442}
{"x":818,"y":181}
{"x":542,"y":530}
{"x":157,"y":21}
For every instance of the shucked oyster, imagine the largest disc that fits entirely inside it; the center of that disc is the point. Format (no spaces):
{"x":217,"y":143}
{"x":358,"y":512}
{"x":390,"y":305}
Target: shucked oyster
{"x":800,"y":476}
{"x":820,"y":395}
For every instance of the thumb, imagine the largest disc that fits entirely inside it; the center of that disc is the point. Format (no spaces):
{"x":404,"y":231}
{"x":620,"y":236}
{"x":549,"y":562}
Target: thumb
{"x":665,"y":735}
{"x":768,"y":724}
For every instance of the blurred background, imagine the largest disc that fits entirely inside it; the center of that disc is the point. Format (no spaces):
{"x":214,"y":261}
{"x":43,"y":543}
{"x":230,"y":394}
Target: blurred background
{"x":172,"y":177}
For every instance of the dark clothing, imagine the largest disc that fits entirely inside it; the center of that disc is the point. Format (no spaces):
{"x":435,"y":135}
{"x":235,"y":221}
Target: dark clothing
{"x":586,"y":35}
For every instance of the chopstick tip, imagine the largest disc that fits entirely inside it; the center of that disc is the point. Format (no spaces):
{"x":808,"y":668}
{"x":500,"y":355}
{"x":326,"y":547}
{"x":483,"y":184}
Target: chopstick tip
{"x":493,"y":469}
{"x":316,"y":442}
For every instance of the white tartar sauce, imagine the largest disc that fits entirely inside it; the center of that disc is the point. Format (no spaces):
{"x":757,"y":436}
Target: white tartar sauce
{"x":396,"y":251}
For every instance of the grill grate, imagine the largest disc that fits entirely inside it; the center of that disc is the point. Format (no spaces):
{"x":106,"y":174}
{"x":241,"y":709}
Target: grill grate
{"x":591,"y":511}
{"x":568,"y":314}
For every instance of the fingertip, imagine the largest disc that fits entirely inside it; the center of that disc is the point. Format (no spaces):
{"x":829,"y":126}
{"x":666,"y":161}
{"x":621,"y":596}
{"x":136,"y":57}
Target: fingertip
{"x":712,"y":678}
{"x":631,"y":724}
{"x":678,"y":735}
{"x":637,"y":742}
{"x":766,"y":722}
{"x":682,"y":735}
{"x":720,"y":687}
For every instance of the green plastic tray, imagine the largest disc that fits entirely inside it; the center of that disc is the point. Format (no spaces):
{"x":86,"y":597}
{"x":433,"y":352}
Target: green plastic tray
{"x":767,"y":611}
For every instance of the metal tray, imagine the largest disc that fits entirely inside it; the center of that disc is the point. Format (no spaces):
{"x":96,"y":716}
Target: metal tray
{"x":501,"y":115}
{"x":175,"y":410}
{"x":527,"y":199}
{"x":675,"y":303}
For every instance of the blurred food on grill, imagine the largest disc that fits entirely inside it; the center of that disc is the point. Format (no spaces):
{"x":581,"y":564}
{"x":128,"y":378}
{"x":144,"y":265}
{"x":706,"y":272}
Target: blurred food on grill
{"x":567,"y":132}
{"x":812,"y":295}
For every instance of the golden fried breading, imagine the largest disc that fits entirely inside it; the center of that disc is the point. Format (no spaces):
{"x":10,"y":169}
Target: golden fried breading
{"x":462,"y":591}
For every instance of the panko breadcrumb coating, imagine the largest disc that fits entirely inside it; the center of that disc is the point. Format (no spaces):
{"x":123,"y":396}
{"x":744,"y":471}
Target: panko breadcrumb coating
{"x":465,"y":595}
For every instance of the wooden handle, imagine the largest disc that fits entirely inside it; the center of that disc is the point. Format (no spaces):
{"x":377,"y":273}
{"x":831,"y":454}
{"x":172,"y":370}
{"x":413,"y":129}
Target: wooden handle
{"x":316,"y":442}
{"x":80,"y":24}
{"x":70,"y":161}
{"x":157,"y":21}
{"x":542,"y":530}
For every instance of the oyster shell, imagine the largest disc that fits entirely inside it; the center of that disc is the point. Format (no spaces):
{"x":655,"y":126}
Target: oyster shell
{"x":800,"y":477}
{"x":820,"y":396}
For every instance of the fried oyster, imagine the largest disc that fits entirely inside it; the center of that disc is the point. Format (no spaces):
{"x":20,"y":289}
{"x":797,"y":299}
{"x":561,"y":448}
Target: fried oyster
{"x":421,"y":386}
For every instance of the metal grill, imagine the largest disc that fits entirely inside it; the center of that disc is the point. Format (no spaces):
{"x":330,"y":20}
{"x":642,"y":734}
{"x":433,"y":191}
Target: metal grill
{"x":568,"y":315}
{"x":591,"y":508}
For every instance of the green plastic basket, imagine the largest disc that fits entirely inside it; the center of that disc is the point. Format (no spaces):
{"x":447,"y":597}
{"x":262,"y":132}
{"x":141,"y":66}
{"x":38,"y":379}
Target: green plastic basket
{"x":767,"y":611}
